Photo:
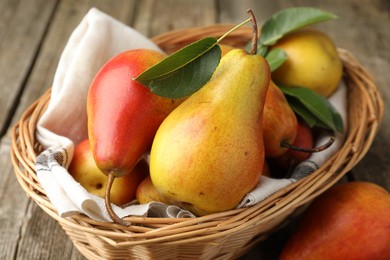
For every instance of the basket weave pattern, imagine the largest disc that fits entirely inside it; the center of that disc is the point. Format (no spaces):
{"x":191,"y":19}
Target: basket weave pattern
{"x":217,"y":236}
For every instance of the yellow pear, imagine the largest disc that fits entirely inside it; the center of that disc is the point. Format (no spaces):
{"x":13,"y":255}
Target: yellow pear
{"x":313,"y":62}
{"x":146,"y":192}
{"x":208,"y":153}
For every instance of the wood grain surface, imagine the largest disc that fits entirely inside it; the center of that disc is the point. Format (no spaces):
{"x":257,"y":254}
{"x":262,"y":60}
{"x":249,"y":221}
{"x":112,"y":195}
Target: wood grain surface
{"x":33,"y":34}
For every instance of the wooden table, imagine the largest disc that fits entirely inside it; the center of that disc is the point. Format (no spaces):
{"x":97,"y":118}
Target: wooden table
{"x":33,"y":34}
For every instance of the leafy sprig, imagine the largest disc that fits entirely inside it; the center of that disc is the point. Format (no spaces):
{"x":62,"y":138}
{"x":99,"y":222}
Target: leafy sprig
{"x":282,"y":23}
{"x":187,"y":70}
{"x":313,"y":108}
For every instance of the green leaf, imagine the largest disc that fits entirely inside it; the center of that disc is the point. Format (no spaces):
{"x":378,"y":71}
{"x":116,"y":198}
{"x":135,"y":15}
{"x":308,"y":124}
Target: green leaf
{"x":185,"y":71}
{"x":324,"y":112}
{"x":289,"y":20}
{"x":276,"y":57}
{"x":337,"y":119}
{"x":301,"y":110}
{"x":305,"y":114}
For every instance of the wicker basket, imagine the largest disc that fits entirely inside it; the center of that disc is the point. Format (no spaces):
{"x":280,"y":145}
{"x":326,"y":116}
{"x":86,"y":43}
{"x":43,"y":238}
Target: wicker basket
{"x":217,"y":236}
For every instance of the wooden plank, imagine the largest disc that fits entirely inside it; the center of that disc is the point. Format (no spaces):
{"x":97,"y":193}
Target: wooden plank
{"x":40,"y":236}
{"x":155,"y":17}
{"x":43,"y":238}
{"x":236,"y":11}
{"x":13,"y":204}
{"x":29,"y":233}
{"x":22,"y":26}
{"x":66,"y":19}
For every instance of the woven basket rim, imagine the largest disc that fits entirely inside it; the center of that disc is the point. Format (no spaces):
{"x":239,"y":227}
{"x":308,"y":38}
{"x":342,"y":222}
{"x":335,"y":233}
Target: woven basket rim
{"x":365,"y":118}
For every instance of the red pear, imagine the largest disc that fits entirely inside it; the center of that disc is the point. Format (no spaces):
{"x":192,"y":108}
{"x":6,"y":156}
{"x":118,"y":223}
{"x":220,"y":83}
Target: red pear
{"x":123,"y":115}
{"x":303,"y":139}
{"x":349,"y":221}
{"x":279,"y":122}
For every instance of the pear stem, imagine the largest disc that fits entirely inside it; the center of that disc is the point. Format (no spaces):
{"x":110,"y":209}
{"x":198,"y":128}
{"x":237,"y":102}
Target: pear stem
{"x":308,"y":150}
{"x":113,"y":215}
{"x":255,"y":35}
{"x":233,"y":29}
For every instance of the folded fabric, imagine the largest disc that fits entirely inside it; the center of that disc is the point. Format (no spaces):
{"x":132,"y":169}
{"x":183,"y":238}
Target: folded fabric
{"x":70,"y":198}
{"x":63,"y":125}
{"x":96,"y":39}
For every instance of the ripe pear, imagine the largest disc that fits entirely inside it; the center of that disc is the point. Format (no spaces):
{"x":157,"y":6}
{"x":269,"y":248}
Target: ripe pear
{"x":146,"y":192}
{"x":85,"y":171}
{"x":349,"y":221}
{"x":303,"y":139}
{"x":208,"y":153}
{"x":313,"y":61}
{"x":123,"y":115}
{"x":279,"y":122}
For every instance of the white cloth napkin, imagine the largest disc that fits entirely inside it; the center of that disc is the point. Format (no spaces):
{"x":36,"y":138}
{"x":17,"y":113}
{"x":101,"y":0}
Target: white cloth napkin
{"x":63,"y":125}
{"x":96,"y":39}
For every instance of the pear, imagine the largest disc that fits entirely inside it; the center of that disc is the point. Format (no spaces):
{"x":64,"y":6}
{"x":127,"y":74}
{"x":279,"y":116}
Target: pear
{"x":279,"y":122}
{"x":123,"y":115}
{"x":208,"y":153}
{"x":348,"y":221}
{"x":303,"y":139}
{"x":313,"y":61}
{"x":146,"y":192}
{"x":85,"y":171}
